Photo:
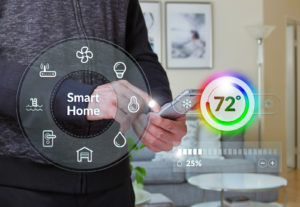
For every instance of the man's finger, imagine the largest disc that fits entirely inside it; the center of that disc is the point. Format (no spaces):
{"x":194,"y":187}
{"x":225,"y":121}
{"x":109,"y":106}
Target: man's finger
{"x":175,"y":127}
{"x":150,"y":140}
{"x":162,"y":134}
{"x":142,"y":94}
{"x":141,"y":124}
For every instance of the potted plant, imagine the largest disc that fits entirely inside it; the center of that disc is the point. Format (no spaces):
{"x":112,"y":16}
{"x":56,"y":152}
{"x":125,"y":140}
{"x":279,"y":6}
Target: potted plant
{"x":142,"y":197}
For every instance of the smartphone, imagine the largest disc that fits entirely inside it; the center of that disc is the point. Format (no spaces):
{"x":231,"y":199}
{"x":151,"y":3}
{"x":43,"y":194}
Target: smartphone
{"x":180,"y":105}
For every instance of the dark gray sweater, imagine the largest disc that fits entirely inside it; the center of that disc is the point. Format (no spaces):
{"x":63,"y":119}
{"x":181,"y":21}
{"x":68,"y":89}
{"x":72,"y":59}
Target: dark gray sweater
{"x":27,"y":27}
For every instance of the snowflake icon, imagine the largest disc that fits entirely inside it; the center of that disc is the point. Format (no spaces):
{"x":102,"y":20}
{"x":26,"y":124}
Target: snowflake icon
{"x":187,"y":104}
{"x":84,"y":54}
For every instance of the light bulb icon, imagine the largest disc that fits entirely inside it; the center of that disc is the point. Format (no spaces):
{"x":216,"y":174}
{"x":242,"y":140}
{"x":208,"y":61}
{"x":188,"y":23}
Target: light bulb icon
{"x":133,"y":105}
{"x":120,"y":69}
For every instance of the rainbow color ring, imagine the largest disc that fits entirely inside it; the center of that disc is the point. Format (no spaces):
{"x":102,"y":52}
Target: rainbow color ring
{"x":227,"y":102}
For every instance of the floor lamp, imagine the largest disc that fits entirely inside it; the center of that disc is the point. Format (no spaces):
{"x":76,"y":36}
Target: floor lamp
{"x":260,"y":33}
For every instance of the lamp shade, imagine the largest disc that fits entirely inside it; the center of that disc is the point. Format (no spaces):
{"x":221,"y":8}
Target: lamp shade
{"x":260,"y":31}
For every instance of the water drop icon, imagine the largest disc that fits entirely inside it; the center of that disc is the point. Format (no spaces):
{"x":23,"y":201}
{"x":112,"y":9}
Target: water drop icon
{"x":120,"y":140}
{"x":133,"y":105}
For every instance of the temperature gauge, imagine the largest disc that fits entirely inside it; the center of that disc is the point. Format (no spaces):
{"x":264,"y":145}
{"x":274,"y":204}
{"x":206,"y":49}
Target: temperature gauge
{"x":227,"y":102}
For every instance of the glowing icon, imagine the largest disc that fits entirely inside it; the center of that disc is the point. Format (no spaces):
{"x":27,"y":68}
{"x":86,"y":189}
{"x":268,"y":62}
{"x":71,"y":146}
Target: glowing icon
{"x":120,"y":69}
{"x":187,"y":104}
{"x":227,"y":102}
{"x":133,"y":105}
{"x":262,"y":163}
{"x":46,"y":73}
{"x":152,"y":103}
{"x":84,"y":153}
{"x":48,"y":138}
{"x":179,"y":164}
{"x":84,"y":54}
{"x":34,"y":105}
{"x":273,"y":163}
{"x":120,"y":140}
{"x":269,"y":103}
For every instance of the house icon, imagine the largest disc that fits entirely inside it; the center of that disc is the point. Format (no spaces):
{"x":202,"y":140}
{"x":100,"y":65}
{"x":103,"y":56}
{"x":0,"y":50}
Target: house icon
{"x":84,"y":153}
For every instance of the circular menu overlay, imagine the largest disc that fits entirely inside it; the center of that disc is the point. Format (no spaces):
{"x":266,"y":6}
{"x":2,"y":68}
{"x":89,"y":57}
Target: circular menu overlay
{"x":227,"y":102}
{"x":55,"y":95}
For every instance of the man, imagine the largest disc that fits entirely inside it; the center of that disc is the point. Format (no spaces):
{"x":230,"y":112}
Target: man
{"x":26,"y":28}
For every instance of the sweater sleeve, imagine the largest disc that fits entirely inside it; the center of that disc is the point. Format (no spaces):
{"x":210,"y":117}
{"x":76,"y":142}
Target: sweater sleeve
{"x":10,"y":76}
{"x":138,"y":46}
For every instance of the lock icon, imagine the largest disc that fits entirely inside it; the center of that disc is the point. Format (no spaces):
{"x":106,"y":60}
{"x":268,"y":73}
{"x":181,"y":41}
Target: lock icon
{"x":133,"y":105}
{"x":48,"y":138}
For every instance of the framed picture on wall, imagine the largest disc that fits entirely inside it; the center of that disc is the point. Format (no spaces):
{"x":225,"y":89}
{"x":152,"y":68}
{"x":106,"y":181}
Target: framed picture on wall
{"x":189,"y":35}
{"x":152,"y":15}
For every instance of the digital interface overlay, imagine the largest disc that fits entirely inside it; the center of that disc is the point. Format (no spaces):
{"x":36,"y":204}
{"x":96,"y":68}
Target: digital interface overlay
{"x":227,"y":102}
{"x":60,"y":76}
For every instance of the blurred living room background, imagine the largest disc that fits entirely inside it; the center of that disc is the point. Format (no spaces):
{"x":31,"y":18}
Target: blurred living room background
{"x":235,"y":48}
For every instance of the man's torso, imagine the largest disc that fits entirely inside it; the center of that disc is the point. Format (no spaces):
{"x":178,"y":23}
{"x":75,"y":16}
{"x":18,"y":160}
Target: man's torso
{"x":28,"y":27}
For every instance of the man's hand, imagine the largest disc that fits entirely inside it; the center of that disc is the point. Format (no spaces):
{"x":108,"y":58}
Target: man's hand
{"x":160,"y":134}
{"x":157,"y":133}
{"x":114,"y":99}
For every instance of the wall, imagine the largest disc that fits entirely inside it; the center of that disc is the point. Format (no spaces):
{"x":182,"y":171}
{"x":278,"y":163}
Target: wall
{"x":277,"y":12}
{"x":233,"y":47}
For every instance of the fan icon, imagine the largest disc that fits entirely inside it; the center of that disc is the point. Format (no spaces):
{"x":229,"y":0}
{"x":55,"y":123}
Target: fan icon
{"x":187,"y":104}
{"x":84,"y":54}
